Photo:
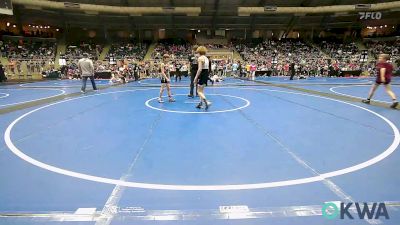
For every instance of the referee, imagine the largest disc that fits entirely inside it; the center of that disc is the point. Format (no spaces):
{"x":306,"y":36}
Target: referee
{"x":292,"y":71}
{"x":193,"y":70}
{"x":2,"y":74}
{"x":86,"y":69}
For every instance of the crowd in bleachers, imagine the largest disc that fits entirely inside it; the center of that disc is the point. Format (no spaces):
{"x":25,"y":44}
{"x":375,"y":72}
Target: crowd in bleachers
{"x":340,"y":51}
{"x":76,"y":50}
{"x":347,"y":55}
{"x":274,"y":57}
{"x":128,"y":50}
{"x":177,"y":51}
{"x":329,"y":58}
{"x":217,"y":46}
{"x":28,"y":50}
{"x":388,"y":47}
{"x":27,"y":56}
{"x":278,"y":55}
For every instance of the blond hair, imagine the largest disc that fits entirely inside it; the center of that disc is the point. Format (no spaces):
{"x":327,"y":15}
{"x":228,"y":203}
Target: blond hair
{"x":201,"y":50}
{"x":385,"y":56}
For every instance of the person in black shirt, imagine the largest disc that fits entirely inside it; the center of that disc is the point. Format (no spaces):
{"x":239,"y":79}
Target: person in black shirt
{"x":292,"y":71}
{"x":209,"y":69}
{"x":178,"y":74}
{"x":240,"y":69}
{"x":136,"y":72}
{"x":193,"y":70}
{"x":2,"y":74}
{"x":64,"y":71}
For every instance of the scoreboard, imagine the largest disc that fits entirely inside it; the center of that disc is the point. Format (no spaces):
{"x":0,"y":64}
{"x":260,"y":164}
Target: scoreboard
{"x":6,"y":7}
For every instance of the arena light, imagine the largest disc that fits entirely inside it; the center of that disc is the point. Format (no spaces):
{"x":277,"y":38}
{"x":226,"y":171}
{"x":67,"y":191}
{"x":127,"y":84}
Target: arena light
{"x":362,"y":6}
{"x":169,"y":9}
{"x":72,"y":5}
{"x":270,"y":8}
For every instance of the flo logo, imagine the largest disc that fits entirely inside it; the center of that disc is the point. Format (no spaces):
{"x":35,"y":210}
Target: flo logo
{"x":370,"y":15}
{"x":331,"y":210}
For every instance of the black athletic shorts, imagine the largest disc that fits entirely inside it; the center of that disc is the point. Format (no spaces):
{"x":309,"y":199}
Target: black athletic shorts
{"x":164,"y":81}
{"x":203,"y":77}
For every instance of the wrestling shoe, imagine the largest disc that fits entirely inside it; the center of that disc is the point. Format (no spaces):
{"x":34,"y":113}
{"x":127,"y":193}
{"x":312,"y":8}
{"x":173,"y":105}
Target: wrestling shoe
{"x":208,"y":104}
{"x":366,"y":101}
{"x":199,"y":106}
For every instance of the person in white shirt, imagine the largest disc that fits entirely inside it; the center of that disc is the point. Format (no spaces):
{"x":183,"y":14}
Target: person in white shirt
{"x":235,"y":68}
{"x":213,"y":67}
{"x":86,"y":69}
{"x":115,"y":78}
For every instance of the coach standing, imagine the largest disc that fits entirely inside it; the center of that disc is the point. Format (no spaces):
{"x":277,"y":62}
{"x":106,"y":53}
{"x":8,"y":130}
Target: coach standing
{"x":86,"y":69}
{"x":193,"y":70}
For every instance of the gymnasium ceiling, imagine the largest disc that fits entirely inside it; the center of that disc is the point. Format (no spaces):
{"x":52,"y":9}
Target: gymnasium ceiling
{"x":215,"y":14}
